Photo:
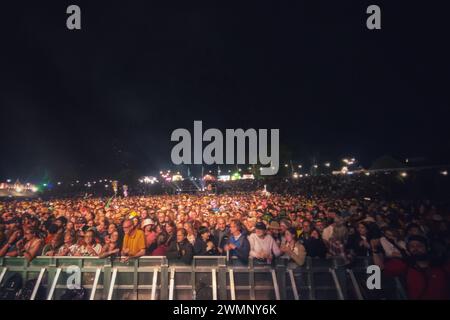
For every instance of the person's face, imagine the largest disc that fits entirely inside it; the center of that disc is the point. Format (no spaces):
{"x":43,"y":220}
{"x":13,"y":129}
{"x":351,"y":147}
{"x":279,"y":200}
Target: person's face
{"x":68,"y":239}
{"x":221,"y":224}
{"x":114,"y":236}
{"x":362,"y":229}
{"x":417,"y":248}
{"x":161,"y":218}
{"x":306,"y":227}
{"x":315,"y":234}
{"x":58,"y":223}
{"x":205,"y":236}
{"x":127,"y":227}
{"x":111,"y":228}
{"x":233,"y":228}
{"x":28,"y":235}
{"x":88,"y":238}
{"x":180,"y":236}
{"x":188,"y":227}
{"x":288,"y":236}
{"x":69,"y":226}
{"x":260,"y":233}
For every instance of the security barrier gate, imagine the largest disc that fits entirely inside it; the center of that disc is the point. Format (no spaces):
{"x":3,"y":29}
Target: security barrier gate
{"x":207,"y":278}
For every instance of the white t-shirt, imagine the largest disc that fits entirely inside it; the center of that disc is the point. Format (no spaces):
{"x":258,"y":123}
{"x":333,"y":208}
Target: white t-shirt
{"x":266,"y":245}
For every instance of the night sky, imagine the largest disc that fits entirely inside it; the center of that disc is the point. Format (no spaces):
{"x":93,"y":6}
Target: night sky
{"x":106,"y":98}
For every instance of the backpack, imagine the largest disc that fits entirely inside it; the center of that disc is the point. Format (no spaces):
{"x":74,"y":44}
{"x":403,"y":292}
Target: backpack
{"x":11,"y":287}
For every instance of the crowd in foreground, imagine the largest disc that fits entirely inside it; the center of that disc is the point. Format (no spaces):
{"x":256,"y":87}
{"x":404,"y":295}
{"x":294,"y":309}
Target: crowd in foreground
{"x":409,"y":239}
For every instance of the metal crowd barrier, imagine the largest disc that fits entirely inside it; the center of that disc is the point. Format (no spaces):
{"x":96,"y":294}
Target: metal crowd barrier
{"x":207,"y":278}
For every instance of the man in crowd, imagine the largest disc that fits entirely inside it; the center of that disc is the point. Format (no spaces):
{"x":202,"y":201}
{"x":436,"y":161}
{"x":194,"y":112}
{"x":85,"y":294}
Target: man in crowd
{"x":181,"y":250}
{"x":220,"y":235}
{"x":237,"y":244}
{"x":262,"y":246}
{"x":134,"y":241}
{"x":425,"y":279}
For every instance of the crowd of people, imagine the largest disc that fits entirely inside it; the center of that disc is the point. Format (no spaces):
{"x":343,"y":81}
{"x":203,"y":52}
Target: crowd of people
{"x":404,"y":238}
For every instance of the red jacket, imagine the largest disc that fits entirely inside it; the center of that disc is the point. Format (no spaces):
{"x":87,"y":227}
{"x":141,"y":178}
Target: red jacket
{"x":432,"y":283}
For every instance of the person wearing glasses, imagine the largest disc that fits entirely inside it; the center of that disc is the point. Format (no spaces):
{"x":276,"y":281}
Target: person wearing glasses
{"x":134,"y":241}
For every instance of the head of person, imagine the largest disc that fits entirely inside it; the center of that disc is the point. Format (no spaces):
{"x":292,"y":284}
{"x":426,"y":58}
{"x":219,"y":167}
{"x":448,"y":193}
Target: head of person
{"x":290,"y":235}
{"x":170,"y":227}
{"x":89,"y":237}
{"x":128,"y":227}
{"x":306,"y":226}
{"x":114,"y":237}
{"x":61,"y":222}
{"x":204,"y":233}
{"x":418,"y":248}
{"x":221,"y":224}
{"x":68,"y":239}
{"x":189,"y":228}
{"x":30,"y":234}
{"x":260,"y":229}
{"x":284,"y":225}
{"x":70,"y":226}
{"x":111,"y":228}
{"x":413,"y":230}
{"x":362,"y":229}
{"x":181,"y":235}
{"x":144,"y":214}
{"x":315,"y":234}
{"x":235,"y":227}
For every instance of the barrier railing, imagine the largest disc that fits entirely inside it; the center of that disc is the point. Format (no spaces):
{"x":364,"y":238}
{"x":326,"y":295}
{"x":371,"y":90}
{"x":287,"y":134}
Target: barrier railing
{"x":207,"y":278}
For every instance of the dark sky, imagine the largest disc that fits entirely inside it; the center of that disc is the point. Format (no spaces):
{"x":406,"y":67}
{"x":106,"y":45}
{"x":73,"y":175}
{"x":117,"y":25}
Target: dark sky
{"x":97,"y":101}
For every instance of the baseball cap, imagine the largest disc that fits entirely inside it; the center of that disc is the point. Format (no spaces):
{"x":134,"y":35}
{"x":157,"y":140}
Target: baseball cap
{"x":260,"y":226}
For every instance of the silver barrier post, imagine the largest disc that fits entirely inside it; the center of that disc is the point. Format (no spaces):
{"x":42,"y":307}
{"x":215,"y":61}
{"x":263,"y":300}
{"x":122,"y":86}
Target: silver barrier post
{"x":232,"y":288}
{"x":356,"y":287}
{"x":293,"y":284}
{"x":94,"y":286}
{"x":38,"y":283}
{"x":155,"y":278}
{"x":2,"y":275}
{"x":275,"y":284}
{"x":111,"y":285}
{"x":337,"y":284}
{"x":55,"y":281}
{"x":172,"y":283}
{"x":214,"y":284}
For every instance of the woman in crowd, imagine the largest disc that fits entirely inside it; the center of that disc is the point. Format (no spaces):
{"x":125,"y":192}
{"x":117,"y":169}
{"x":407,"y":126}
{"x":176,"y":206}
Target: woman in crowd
{"x":293,"y":249}
{"x":191,"y":233}
{"x":112,"y":246}
{"x":30,"y":246}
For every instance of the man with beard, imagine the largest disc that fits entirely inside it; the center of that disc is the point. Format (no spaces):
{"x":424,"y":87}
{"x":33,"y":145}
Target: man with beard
{"x":425,"y":279}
